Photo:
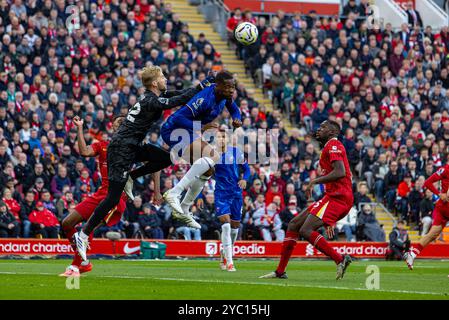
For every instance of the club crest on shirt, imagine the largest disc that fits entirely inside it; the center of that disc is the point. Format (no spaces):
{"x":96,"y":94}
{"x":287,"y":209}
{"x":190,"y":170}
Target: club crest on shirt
{"x":163,"y":100}
{"x":198,"y":103}
{"x":440,"y":171}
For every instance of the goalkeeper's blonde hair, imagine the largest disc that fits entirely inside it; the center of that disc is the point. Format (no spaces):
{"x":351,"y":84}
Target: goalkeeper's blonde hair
{"x":150,"y":74}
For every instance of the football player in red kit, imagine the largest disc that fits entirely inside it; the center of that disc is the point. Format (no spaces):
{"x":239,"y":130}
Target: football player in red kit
{"x":335,"y":205}
{"x":440,"y":215}
{"x":85,"y":209}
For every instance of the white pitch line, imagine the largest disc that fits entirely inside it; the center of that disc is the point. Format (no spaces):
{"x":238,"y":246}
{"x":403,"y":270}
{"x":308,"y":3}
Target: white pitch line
{"x":299,"y":285}
{"x":244,"y":283}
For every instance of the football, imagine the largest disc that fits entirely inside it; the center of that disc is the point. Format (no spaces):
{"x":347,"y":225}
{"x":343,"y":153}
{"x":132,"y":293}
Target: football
{"x":246,"y":33}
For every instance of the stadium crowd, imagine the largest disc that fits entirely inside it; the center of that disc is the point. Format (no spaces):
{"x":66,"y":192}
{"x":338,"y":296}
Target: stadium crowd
{"x":387,"y":89}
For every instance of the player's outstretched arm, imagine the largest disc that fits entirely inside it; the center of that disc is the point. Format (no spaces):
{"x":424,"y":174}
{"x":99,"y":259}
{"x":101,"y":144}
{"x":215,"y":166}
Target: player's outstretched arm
{"x":246,"y":174}
{"x":174,"y":93}
{"x":181,"y":99}
{"x":234,"y":110}
{"x":157,"y":198}
{"x":84,"y":149}
{"x":176,"y":100}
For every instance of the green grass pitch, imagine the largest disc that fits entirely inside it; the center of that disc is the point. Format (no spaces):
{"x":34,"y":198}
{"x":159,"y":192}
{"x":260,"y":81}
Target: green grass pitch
{"x":202,"y":279}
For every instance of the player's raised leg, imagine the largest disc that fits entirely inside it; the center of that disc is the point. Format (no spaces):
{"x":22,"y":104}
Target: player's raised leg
{"x":194,"y":190}
{"x":415,"y":250}
{"x":155,"y":159}
{"x":112,"y":200}
{"x":77,"y":266}
{"x":198,"y":169}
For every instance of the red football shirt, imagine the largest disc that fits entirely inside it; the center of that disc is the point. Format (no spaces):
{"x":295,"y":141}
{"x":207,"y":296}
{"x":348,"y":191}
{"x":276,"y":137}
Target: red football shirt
{"x":335,"y":151}
{"x":101,"y":152}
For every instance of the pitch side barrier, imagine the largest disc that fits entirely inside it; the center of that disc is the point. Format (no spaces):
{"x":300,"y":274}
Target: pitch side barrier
{"x":206,"y":249}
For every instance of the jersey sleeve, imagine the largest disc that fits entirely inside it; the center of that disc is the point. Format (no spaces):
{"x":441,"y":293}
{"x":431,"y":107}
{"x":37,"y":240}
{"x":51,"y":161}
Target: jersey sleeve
{"x":246,"y":171}
{"x":164,"y":103}
{"x":173,"y":93}
{"x":437,"y":176}
{"x":96,"y":147}
{"x":336,"y":152}
{"x":234,"y":110}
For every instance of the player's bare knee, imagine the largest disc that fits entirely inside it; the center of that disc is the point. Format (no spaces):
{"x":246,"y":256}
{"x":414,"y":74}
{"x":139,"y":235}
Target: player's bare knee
{"x":235,"y":224}
{"x":209,"y":172}
{"x":293,"y":225}
{"x":225,"y":219}
{"x":305,"y":232}
{"x":215,"y":157}
{"x":66,"y":223}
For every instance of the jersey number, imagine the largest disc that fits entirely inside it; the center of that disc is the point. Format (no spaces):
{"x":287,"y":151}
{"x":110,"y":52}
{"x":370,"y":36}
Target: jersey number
{"x":134,"y":111}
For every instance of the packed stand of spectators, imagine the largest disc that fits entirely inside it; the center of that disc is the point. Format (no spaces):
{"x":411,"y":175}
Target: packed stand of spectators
{"x":387,"y":88}
{"x":392,"y":107}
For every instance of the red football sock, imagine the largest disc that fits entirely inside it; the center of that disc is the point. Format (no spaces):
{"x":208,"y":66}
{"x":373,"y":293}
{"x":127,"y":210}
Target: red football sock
{"x":287,"y":249}
{"x":321,"y":244}
{"x":417,"y":248}
{"x":69,"y":232}
{"x":91,"y":236}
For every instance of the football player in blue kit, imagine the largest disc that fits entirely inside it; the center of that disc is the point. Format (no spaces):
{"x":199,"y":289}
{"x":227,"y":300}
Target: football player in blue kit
{"x":231,"y":174}
{"x":182,"y":133}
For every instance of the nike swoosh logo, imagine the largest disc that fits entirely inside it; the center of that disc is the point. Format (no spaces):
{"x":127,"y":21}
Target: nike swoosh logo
{"x":128,"y":250}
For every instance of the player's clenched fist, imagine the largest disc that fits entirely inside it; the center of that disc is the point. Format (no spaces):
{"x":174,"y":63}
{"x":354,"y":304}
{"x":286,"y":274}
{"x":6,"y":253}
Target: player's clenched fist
{"x":78,"y":121}
{"x":236,"y":123}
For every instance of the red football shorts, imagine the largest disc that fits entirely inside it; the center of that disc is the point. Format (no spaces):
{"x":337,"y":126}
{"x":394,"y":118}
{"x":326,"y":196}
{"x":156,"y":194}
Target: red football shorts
{"x":440,"y":214}
{"x":331,"y":209}
{"x":86,"y":207}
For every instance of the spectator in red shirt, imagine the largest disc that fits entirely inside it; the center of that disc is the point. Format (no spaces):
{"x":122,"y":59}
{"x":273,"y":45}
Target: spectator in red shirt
{"x":272,"y":192}
{"x":403,"y":192}
{"x":44,"y":222}
{"x":233,"y":22}
{"x":139,"y":15}
{"x":11,"y":203}
{"x":306,"y":109}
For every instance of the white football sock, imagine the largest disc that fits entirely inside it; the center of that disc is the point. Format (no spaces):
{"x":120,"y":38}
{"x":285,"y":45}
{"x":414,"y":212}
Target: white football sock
{"x":193,"y":192}
{"x":83,"y":235}
{"x":226,"y":241}
{"x":234,"y":234}
{"x":198,"y":168}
